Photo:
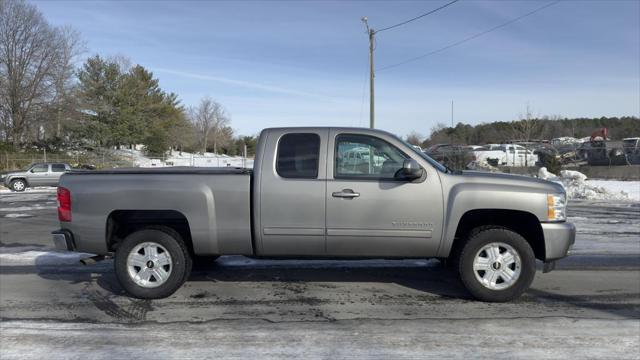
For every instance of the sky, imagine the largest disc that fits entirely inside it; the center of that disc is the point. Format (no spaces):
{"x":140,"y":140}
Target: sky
{"x":305,"y":63}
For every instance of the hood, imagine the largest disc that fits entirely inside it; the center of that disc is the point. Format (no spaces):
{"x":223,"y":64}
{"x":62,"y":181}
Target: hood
{"x":511,"y":180}
{"x":13,"y":173}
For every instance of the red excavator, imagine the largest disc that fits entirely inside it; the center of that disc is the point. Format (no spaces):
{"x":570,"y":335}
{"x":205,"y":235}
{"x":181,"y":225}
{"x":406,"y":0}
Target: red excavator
{"x":601,"y":134}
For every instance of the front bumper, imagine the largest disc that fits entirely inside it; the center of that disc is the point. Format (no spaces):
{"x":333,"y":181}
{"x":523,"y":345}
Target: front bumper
{"x":558,"y":239}
{"x":63,"y":240}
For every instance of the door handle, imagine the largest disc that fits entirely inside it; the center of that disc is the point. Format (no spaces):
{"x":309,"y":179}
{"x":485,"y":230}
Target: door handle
{"x":346,"y":193}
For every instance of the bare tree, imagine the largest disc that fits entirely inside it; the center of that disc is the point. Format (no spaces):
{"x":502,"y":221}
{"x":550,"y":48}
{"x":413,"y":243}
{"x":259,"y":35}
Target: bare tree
{"x":31,"y":54}
{"x":527,"y":127}
{"x":414,"y":138}
{"x":72,"y":46}
{"x":210,"y":119}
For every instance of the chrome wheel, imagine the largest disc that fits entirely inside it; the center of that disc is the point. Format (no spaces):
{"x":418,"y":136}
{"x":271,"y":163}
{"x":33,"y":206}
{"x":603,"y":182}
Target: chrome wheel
{"x":18,"y":185}
{"x":497,"y":266}
{"x":149,"y":264}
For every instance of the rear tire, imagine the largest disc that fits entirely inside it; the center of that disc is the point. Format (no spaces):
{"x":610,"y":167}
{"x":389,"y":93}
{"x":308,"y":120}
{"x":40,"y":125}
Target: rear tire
{"x":152,"y":263}
{"x":18,"y":185}
{"x":496,"y":264}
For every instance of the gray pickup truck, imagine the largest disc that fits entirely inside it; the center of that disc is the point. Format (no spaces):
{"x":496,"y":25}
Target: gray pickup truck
{"x":317,"y":193}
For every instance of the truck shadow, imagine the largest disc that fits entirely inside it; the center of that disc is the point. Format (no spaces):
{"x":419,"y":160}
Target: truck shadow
{"x":430,"y":279}
{"x":424,"y":281}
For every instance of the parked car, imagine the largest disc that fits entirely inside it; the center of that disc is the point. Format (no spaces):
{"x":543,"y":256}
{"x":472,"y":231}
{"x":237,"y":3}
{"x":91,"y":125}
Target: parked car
{"x":505,"y":155}
{"x":452,"y":155}
{"x":603,"y":153}
{"x":300,"y":200}
{"x":39,"y":174}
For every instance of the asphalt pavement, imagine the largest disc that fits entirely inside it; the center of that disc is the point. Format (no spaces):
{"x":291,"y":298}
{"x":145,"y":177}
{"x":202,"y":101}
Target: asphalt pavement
{"x":52,"y":307}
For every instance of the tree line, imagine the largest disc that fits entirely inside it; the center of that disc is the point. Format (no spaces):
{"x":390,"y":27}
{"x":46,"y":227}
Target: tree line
{"x":46,"y":102}
{"x":527,"y":128}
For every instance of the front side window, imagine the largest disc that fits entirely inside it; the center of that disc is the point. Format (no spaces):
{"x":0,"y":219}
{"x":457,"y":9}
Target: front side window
{"x":298,"y":156}
{"x":376,"y":159}
{"x":40,"y":168}
{"x":57,"y":167}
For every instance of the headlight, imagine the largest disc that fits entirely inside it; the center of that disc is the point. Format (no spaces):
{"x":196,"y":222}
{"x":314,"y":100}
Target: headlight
{"x":557,"y":207}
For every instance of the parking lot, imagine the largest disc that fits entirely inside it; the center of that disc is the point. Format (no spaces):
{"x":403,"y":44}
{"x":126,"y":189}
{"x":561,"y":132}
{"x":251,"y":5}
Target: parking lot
{"x":53,"y":307}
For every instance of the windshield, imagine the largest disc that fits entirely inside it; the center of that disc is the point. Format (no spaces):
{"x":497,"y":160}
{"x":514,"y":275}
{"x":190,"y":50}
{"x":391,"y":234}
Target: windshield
{"x":435,"y":164}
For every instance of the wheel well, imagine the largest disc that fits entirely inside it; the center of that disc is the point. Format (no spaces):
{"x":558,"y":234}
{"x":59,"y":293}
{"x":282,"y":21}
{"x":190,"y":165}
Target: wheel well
{"x":19,"y":178}
{"x":521,"y":222}
{"x":121,"y":223}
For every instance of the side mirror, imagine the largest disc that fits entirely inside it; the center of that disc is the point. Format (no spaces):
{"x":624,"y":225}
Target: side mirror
{"x":411,"y":170}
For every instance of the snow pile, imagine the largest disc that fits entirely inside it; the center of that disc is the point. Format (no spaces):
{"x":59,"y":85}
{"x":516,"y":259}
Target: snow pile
{"x":577,"y":187}
{"x":573,"y":175}
{"x":567,"y":140}
{"x":630,"y":187}
{"x":544,"y":174}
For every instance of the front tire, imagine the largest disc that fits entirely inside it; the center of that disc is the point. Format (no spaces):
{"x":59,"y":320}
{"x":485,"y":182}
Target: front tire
{"x":152,"y":263}
{"x":18,"y":185}
{"x":496,"y":264}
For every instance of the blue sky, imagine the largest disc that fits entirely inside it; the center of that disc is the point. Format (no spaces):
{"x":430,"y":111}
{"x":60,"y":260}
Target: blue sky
{"x":305,"y":63}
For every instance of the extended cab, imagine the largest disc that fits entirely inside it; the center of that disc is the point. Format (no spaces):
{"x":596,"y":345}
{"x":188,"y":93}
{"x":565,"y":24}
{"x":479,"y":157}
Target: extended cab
{"x":317,"y":193}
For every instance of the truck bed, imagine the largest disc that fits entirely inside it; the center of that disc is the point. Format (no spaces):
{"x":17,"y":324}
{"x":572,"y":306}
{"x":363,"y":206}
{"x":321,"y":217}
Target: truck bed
{"x":214,"y":202}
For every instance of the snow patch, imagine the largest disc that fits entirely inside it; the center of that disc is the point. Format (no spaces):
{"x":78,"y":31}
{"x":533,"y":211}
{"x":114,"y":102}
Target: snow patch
{"x":36,"y":190}
{"x":27,"y":208}
{"x":577,"y":186}
{"x":17,"y":215}
{"x":177,"y":158}
{"x":632,"y":188}
{"x":15,"y":257}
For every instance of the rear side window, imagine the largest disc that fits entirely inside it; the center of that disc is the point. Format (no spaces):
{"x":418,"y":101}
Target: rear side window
{"x":298,"y":156}
{"x":57,"y":167}
{"x":40,"y":168}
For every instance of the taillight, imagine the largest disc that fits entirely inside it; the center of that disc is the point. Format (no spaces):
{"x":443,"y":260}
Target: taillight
{"x":64,"y":204}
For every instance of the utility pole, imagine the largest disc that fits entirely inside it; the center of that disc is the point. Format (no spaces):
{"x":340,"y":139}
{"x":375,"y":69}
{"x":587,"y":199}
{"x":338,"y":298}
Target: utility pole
{"x":451,"y":122}
{"x":452,"y":114}
{"x":372,"y":34}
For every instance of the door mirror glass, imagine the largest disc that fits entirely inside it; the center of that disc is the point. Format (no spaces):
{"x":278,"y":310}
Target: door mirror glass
{"x":411,"y":170}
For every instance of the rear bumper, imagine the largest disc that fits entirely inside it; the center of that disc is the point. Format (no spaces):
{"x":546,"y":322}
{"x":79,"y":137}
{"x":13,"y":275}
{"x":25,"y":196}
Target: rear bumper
{"x":558,"y":239}
{"x":63,"y":240}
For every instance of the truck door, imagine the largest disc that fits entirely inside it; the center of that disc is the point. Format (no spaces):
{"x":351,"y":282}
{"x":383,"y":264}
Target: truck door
{"x":292,"y":190}
{"x":54,"y":176}
{"x":369,"y":211}
{"x":38,"y":175}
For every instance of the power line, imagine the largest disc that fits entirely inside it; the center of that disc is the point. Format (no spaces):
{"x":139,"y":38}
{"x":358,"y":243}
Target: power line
{"x":469,"y":38}
{"x":418,"y":17}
